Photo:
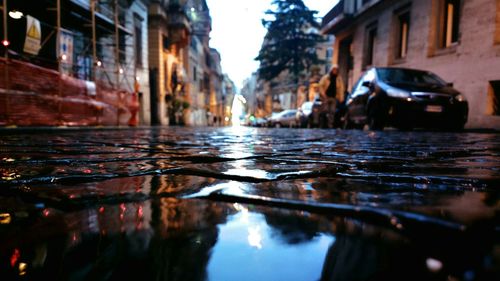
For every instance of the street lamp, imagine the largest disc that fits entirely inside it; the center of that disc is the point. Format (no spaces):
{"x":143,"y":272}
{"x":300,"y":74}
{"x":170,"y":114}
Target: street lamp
{"x":15,"y":14}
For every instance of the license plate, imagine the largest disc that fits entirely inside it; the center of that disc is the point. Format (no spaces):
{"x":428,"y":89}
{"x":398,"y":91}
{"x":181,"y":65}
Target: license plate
{"x":434,"y":108}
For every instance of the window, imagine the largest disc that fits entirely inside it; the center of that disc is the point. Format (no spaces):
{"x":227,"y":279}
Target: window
{"x":138,"y":41}
{"x":329,"y":53}
{"x":497,"y":32}
{"x":122,"y":43}
{"x":403,"y":34}
{"x":194,"y":74}
{"x":494,"y":97}
{"x":371,"y":35}
{"x":450,"y":23}
{"x":165,"y":77}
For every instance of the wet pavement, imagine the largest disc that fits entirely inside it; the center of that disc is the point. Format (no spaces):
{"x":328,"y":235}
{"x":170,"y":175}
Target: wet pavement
{"x":248,"y":204}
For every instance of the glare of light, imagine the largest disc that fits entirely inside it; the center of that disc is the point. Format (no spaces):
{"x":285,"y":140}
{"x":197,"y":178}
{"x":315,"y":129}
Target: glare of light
{"x":241,"y":98}
{"x":22,"y":268}
{"x":137,"y":78}
{"x":254,"y":237}
{"x":16,"y":14}
{"x":64,"y":57}
{"x":238,"y":110}
{"x":245,"y":215}
{"x":99,"y":63}
{"x":434,"y":265}
{"x":239,"y":207}
{"x":193,"y":9}
{"x":121,"y":70}
{"x":227,"y":119}
{"x":260,"y":174}
{"x":5,"y":42}
{"x":10,"y":176}
{"x":5,"y":218}
{"x":409,"y":99}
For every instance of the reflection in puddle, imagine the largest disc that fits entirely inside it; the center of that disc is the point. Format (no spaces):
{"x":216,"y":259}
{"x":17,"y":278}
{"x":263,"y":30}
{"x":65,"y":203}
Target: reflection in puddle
{"x":121,"y":205}
{"x":250,"y":249}
{"x":189,"y":239}
{"x":258,"y":174}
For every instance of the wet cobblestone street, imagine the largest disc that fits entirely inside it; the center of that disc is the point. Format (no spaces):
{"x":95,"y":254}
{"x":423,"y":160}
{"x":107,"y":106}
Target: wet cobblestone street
{"x":248,"y":204}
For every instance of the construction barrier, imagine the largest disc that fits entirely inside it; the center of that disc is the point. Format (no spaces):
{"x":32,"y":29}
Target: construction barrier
{"x":31,"y":95}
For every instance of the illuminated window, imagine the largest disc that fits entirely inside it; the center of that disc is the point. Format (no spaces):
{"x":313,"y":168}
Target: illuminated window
{"x":494,"y":96}
{"x":165,"y":76}
{"x":450,"y":25}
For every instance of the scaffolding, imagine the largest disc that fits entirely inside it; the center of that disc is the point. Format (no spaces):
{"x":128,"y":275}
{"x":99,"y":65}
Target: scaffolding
{"x":101,"y":59}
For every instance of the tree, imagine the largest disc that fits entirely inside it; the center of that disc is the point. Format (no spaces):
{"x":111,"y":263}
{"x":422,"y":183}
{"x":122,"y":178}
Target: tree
{"x":290,"y":42}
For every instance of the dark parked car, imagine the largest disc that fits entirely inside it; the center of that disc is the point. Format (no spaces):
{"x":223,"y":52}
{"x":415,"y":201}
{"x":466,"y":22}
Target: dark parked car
{"x":404,"y":98}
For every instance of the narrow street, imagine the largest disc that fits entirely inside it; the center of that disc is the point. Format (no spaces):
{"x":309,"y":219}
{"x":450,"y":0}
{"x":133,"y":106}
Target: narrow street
{"x":248,"y":204}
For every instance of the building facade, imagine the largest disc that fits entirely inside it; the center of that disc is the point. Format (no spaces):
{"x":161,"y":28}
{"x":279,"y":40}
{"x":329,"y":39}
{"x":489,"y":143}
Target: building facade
{"x":169,"y":34}
{"x":109,"y":62}
{"x":457,"y":39}
{"x":185,"y":73}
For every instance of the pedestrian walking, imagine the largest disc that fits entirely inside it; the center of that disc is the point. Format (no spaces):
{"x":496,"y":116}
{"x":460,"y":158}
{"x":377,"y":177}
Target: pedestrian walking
{"x":332,"y":89}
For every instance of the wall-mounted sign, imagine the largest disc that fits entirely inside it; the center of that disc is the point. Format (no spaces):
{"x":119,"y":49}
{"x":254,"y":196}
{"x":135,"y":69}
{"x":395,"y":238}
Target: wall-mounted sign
{"x":33,"y":36}
{"x":66,"y":47}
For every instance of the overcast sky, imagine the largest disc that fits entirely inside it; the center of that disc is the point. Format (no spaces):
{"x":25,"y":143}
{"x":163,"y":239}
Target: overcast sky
{"x":237,"y":32}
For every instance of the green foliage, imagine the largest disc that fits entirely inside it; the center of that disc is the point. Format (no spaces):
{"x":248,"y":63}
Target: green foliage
{"x":290,"y":43}
{"x":180,"y":105}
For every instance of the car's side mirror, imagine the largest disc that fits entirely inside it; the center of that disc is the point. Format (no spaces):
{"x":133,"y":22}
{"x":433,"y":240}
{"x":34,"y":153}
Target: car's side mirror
{"x":449,"y":84}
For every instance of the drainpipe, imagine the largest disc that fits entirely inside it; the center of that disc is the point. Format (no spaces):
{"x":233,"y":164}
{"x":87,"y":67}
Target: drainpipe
{"x":59,"y":64}
{"x":6,"y":56}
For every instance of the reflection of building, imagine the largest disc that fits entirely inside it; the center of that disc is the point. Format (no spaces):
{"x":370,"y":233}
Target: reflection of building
{"x":75,"y":62}
{"x":443,"y":36}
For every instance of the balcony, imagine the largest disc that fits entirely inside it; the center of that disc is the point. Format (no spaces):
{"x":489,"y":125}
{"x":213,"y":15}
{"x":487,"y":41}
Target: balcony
{"x":179,"y":25}
{"x":338,"y":17}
